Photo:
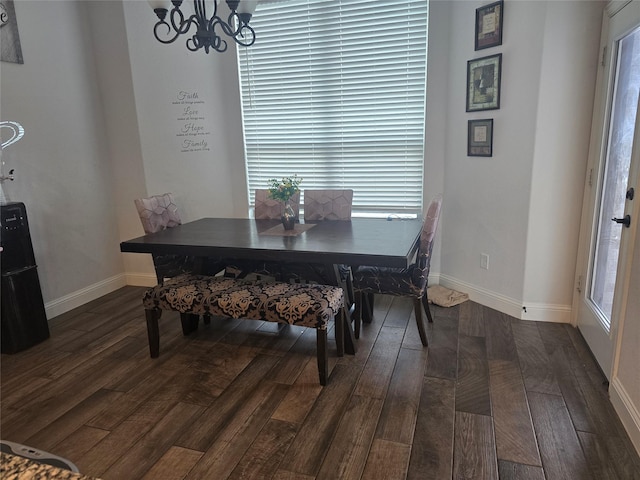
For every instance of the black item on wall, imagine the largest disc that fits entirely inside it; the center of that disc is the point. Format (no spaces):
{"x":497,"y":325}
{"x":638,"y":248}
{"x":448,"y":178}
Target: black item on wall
{"x":24,"y":321}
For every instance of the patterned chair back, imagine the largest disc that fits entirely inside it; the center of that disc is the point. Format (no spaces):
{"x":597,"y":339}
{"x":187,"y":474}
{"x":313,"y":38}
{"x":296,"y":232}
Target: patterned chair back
{"x":328,"y":204}
{"x":158,"y":212}
{"x":429,"y":228}
{"x":269,"y":209}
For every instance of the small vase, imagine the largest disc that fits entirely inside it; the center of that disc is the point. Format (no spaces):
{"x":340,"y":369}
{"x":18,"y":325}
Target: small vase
{"x":288,"y":216}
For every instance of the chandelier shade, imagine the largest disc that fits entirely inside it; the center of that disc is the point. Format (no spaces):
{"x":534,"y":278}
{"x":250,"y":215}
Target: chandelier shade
{"x":201,"y":29}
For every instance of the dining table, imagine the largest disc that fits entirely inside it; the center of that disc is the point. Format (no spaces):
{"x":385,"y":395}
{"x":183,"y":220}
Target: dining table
{"x":376,"y":242}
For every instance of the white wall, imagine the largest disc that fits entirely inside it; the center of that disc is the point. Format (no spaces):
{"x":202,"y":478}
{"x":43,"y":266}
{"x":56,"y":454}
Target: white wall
{"x":205,"y":183}
{"x":115,"y":84}
{"x":62,"y":168}
{"x":571,"y":31}
{"x":522,"y":205}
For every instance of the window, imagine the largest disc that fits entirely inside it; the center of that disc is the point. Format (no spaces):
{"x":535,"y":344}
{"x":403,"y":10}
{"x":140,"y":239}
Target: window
{"x":334,"y":91}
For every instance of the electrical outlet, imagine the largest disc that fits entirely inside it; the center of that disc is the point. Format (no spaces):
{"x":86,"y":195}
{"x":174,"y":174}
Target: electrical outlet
{"x":484,"y":261}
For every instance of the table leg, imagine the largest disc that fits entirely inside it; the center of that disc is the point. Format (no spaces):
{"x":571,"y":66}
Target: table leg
{"x":349,"y":338}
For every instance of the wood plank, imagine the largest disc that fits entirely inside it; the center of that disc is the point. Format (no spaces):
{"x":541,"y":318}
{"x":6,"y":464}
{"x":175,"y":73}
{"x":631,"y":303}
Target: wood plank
{"x":49,"y":437}
{"x":115,"y":413}
{"x":348,"y":452}
{"x":515,"y":438}
{"x":173,"y":465}
{"x":560,"y":449}
{"x":80,"y":442}
{"x":534,"y":362}
{"x":284,"y":475}
{"x":399,"y":312}
{"x":443,"y":348}
{"x":500,"y":343}
{"x":398,"y":418}
{"x":294,"y":362}
{"x":609,"y":457}
{"x":572,"y":393}
{"x":432,"y":449}
{"x":475,"y":454}
{"x":267,"y":451}
{"x":234,"y":400}
{"x":239,"y":433}
{"x":378,"y":370}
{"x":214,"y":370}
{"x":314,"y":438}
{"x":412,"y":336}
{"x":517,"y":471}
{"x":471,"y":319}
{"x":41,"y":409}
{"x":595,"y":451}
{"x":154,"y":444}
{"x":301,"y":397}
{"x":472,"y":387}
{"x":125,"y":435}
{"x":387,"y":460}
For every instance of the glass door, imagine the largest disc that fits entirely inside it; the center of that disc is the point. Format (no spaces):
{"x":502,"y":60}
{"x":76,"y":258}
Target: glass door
{"x":609,"y":192}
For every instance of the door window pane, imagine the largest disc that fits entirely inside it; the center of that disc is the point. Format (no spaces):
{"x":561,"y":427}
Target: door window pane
{"x":616,"y":175}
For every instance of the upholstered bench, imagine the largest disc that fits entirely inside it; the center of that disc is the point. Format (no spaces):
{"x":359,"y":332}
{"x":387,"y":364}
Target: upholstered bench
{"x":305,"y":305}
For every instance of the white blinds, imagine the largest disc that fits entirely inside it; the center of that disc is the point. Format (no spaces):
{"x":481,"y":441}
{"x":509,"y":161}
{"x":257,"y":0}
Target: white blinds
{"x":334,"y":91}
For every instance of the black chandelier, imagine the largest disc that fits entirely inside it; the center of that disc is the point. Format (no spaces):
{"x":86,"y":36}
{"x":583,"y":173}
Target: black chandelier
{"x":208,"y":29}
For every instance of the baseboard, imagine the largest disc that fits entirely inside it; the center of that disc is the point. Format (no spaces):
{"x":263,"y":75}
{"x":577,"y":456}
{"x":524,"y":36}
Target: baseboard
{"x":516,"y":308}
{"x":84,"y":295}
{"x":141,"y":279}
{"x":627,"y":411}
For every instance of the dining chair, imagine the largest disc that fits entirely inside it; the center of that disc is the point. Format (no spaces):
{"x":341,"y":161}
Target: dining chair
{"x":328,"y":204}
{"x":267,"y":208}
{"x":324,"y":205}
{"x":407,"y":282}
{"x":157,"y":213}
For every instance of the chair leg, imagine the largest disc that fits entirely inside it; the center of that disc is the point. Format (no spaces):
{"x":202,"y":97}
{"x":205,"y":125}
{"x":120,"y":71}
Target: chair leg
{"x":189,"y":323}
{"x":427,"y":310}
{"x":367,"y":307}
{"x":417,"y":306}
{"x":153,"y":332}
{"x":339,"y":321}
{"x":323,"y":355}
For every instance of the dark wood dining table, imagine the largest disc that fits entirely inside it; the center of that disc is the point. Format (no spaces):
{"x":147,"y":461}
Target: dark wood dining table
{"x":360,"y":241}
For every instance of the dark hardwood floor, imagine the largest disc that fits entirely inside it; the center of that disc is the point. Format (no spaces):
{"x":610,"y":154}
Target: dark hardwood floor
{"x":492,"y":397}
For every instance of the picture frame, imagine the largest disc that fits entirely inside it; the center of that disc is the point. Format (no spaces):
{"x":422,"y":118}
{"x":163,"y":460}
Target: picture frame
{"x":489,"y":25}
{"x":480,"y":138}
{"x":483,"y":83}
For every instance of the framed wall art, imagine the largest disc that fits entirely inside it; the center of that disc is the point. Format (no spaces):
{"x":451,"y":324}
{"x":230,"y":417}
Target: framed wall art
{"x":483,"y":83}
{"x":480,"y":138}
{"x":489,"y":25}
{"x":10,"y":48}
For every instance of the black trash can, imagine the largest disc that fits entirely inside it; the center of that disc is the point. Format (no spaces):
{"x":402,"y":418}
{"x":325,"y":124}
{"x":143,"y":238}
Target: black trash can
{"x":24,"y":321}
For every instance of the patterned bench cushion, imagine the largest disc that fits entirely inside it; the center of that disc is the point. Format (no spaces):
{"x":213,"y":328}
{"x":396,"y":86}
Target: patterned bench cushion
{"x":296,"y":304}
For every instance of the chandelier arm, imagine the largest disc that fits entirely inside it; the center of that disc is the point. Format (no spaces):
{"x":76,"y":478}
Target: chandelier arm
{"x":245,"y":30}
{"x":184,"y":25}
{"x":200,"y":10}
{"x":162,"y":23}
{"x":218,"y":43}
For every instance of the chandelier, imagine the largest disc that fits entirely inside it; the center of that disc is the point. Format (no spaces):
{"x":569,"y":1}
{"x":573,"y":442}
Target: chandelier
{"x":208,"y":29}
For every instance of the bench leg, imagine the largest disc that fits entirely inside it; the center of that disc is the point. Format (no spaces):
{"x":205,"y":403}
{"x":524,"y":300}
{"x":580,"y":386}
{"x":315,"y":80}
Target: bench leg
{"x":339,"y":323}
{"x":323,"y":355}
{"x":189,"y":323}
{"x":153,"y":332}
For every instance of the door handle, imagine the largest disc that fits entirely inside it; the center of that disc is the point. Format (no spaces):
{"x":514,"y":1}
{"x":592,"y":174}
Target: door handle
{"x":626,"y":220}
